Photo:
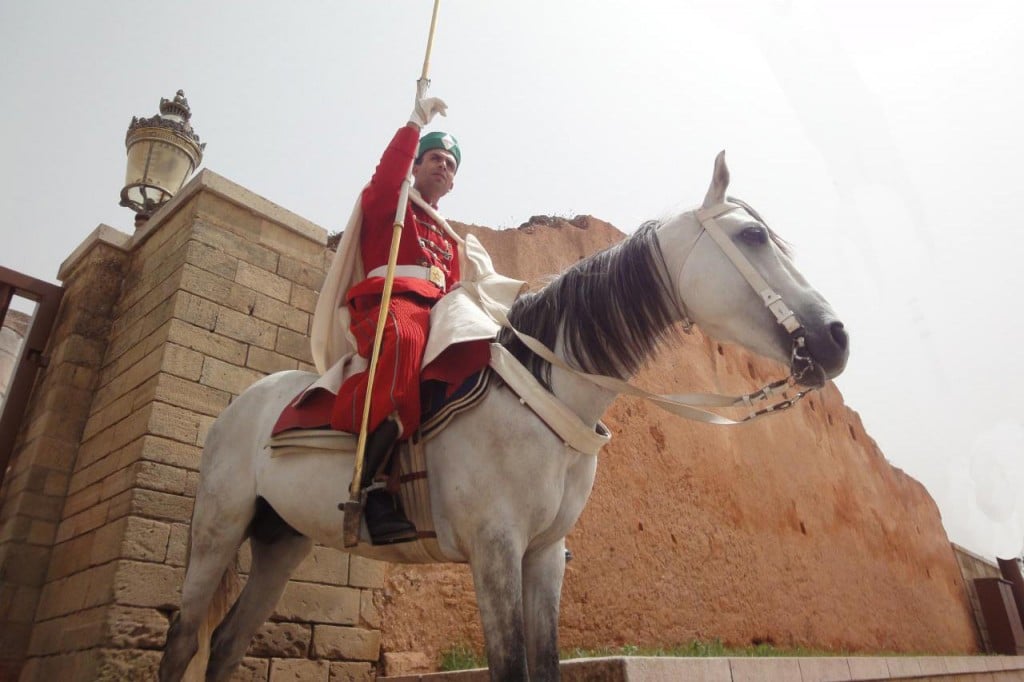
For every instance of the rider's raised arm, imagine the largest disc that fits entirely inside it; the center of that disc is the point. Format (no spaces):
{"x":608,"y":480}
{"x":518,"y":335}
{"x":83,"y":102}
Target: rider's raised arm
{"x":382,"y":192}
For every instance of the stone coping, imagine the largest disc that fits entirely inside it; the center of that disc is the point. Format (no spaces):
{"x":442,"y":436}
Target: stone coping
{"x":102,"y":234}
{"x":740,"y":669}
{"x":205,"y":180}
{"x":218,"y":184}
{"x":976,"y":557}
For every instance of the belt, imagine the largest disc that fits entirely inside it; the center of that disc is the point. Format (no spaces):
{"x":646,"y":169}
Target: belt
{"x":432,"y":273}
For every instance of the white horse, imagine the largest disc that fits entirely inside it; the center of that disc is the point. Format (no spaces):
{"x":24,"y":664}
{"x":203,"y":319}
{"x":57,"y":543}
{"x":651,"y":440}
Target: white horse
{"x":505,"y":490}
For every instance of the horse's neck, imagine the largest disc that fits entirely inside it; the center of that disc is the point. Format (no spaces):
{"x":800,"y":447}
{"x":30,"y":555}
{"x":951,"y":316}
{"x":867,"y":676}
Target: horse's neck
{"x":588,"y":401}
{"x":629,"y":308}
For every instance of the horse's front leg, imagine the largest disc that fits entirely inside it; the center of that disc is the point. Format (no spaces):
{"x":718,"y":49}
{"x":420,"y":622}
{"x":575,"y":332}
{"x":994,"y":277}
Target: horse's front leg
{"x":542,"y":589}
{"x":496,"y":562}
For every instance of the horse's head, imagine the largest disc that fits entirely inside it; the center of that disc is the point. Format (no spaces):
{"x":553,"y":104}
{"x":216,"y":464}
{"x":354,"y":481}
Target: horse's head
{"x":727,"y":266}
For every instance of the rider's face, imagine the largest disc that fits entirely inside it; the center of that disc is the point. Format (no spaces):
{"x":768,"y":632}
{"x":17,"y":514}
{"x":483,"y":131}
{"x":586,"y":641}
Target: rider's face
{"x":434,"y":175}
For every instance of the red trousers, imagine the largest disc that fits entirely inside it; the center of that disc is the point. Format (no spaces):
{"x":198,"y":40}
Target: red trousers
{"x":396,"y":385}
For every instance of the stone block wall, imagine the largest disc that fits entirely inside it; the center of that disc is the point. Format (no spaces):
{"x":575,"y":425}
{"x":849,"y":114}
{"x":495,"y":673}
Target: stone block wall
{"x":32,"y":497}
{"x":214,"y":292}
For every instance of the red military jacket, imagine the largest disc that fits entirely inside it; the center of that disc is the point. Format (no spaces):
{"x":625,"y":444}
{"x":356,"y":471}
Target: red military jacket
{"x":422,"y":242}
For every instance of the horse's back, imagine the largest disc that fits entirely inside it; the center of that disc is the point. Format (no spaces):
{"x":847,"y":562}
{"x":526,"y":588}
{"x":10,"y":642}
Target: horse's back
{"x":271,"y":393}
{"x":259,"y":406}
{"x":238,"y":436}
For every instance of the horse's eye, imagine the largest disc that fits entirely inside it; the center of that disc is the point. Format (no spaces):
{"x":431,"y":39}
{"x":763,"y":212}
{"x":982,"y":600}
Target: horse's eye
{"x":756,"y":236}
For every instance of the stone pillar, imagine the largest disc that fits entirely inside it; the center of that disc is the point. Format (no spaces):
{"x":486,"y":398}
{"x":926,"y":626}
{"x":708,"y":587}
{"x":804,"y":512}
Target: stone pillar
{"x":41,"y":465}
{"x":218,"y":290}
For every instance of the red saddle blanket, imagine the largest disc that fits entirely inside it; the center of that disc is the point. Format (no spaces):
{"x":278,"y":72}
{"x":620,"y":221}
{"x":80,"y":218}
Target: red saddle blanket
{"x":441,"y":380}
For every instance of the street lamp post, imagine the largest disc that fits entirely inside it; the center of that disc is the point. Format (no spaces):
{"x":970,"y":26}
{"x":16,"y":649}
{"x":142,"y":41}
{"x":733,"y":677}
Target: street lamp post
{"x":163,"y":151}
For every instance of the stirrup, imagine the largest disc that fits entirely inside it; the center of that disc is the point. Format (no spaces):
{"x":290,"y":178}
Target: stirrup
{"x":403,"y":529}
{"x":386,"y":524}
{"x":353,"y":513}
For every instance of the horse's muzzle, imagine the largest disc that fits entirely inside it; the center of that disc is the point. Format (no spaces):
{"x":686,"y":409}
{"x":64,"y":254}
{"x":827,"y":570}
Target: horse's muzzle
{"x":822,"y":356}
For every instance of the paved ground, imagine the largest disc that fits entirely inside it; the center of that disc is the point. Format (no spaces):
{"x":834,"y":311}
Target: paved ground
{"x":853,"y":669}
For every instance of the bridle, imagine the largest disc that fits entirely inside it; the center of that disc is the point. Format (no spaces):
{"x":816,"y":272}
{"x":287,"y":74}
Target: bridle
{"x":801,"y":362}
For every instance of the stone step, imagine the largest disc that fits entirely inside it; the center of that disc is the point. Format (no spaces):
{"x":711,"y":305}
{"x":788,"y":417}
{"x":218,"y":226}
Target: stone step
{"x":823,"y":669}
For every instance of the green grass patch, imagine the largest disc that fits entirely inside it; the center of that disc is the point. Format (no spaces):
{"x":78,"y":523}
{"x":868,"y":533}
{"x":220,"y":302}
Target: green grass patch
{"x":461,"y":657}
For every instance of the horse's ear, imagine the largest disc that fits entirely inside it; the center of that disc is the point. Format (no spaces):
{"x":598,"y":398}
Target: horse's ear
{"x":719,"y":182}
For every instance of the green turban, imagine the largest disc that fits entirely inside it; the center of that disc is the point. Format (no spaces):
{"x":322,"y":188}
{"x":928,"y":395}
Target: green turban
{"x":439,"y":140}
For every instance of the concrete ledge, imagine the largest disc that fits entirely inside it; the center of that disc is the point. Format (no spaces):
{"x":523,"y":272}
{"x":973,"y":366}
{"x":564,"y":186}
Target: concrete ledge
{"x":838,"y":669}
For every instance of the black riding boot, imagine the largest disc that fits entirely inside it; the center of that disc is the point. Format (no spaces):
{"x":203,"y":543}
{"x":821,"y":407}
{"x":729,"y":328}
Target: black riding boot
{"x":384,"y":518}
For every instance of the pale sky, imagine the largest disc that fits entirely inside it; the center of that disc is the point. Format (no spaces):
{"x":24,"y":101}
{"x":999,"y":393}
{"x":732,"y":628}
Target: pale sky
{"x":881,"y":138}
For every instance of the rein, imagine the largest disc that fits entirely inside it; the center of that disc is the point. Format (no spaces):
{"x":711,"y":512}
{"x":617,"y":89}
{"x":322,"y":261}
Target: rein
{"x":687,"y":405}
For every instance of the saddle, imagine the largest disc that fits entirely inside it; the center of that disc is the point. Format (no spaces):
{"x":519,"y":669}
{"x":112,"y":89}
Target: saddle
{"x":440,"y":408}
{"x":306,"y":426}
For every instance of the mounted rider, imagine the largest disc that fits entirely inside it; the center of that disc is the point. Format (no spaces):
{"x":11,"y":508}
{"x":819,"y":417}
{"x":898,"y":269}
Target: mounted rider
{"x":428,"y":267}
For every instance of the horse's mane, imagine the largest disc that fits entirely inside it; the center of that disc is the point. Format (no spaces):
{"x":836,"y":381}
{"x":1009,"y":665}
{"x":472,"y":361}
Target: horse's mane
{"x":613,"y":310}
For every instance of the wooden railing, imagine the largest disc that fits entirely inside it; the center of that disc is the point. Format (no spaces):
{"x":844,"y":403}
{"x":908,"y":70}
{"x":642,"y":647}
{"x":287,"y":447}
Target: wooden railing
{"x":30,"y":359}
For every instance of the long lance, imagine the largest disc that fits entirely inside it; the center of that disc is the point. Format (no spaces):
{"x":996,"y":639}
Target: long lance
{"x":351,"y":523}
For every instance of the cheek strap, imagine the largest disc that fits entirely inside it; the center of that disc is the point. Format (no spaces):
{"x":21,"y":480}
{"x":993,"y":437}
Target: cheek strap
{"x":783,"y":315}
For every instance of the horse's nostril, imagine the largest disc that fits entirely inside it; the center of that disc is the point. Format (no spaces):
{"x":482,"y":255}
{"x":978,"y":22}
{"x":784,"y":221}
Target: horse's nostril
{"x":839,"y":335}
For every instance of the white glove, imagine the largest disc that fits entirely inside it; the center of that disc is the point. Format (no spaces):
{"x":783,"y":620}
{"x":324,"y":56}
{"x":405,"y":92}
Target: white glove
{"x":426,"y":107}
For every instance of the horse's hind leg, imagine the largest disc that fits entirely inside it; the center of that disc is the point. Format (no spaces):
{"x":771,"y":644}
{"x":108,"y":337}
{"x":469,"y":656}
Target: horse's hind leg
{"x":276,"y":551}
{"x":214,"y":546}
{"x":542,"y":588}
